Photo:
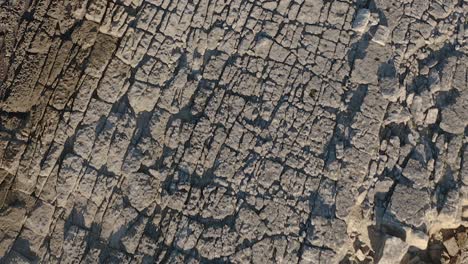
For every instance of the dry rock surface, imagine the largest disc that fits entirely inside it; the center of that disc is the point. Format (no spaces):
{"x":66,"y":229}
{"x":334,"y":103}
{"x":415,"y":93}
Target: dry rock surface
{"x":233,"y":131}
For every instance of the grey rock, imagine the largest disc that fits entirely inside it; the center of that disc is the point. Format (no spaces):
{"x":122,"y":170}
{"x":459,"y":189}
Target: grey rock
{"x":381,"y":35}
{"x":137,"y":183}
{"x":393,"y":251}
{"x":158,"y":131}
{"x":361,"y":20}
{"x":409,"y":205}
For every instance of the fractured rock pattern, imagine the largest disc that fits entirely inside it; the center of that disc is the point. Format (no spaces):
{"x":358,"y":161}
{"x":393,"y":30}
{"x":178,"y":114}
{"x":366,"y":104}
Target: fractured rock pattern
{"x":232,"y":131}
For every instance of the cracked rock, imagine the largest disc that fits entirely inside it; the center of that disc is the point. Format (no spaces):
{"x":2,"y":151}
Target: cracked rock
{"x":305,"y":131}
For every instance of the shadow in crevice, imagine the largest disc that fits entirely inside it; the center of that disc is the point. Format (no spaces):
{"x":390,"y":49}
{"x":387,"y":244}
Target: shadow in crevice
{"x":21,"y":253}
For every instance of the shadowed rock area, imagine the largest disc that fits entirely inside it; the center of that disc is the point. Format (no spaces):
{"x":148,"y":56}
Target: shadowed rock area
{"x":233,"y":131}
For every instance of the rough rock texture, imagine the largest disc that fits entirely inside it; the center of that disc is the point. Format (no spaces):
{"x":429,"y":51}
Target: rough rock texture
{"x":232,"y":131}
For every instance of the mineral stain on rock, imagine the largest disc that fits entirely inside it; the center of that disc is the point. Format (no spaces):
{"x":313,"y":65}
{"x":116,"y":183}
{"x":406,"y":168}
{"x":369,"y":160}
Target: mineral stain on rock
{"x":237,"y":131}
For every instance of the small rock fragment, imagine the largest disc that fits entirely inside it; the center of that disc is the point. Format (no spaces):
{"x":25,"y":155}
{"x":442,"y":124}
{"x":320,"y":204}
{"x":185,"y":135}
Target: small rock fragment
{"x":431,"y":116}
{"x":381,"y":35}
{"x":451,"y":246}
{"x":361,"y":20}
{"x":394,"y":251}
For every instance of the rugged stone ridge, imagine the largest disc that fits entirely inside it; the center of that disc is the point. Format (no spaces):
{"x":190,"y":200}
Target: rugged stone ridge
{"x":233,"y":131}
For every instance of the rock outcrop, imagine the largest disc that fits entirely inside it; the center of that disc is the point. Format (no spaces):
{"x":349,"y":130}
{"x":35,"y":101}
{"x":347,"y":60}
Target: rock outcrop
{"x":234,"y":131}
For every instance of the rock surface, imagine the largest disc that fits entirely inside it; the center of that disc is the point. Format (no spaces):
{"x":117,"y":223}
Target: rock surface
{"x":295,"y":131}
